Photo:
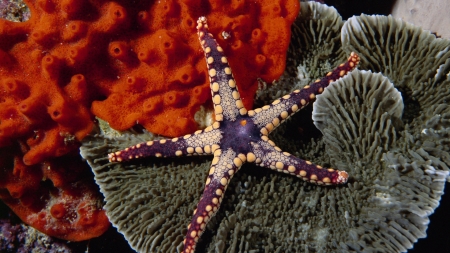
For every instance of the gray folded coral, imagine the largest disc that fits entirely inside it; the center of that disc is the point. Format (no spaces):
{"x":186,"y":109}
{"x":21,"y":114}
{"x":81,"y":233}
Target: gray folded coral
{"x":359,"y":116}
{"x":387,"y":125}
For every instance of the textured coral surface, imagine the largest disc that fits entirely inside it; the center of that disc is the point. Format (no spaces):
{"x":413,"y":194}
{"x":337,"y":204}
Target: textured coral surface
{"x":17,"y":237}
{"x":159,"y":76}
{"x":22,"y":238}
{"x":57,"y":196}
{"x":125,"y":62}
{"x":140,"y":61}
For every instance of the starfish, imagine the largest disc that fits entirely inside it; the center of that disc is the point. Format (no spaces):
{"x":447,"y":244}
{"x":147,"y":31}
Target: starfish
{"x":238,"y":136}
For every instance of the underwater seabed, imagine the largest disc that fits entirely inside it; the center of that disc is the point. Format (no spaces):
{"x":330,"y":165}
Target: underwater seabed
{"x":439,"y":227}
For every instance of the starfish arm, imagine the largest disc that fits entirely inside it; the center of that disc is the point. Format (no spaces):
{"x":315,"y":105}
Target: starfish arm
{"x":202,"y":142}
{"x":271,"y":116}
{"x":225,"y":95}
{"x":224,"y":165}
{"x":270,"y":156}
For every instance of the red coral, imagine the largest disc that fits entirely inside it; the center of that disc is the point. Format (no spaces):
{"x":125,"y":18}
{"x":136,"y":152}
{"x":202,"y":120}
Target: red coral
{"x":58,"y":197}
{"x":126,"y":62}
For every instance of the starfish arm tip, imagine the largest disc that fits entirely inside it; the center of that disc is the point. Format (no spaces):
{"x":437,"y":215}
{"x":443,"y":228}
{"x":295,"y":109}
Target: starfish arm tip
{"x":201,"y":23}
{"x":112,"y":157}
{"x":342,"y":177}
